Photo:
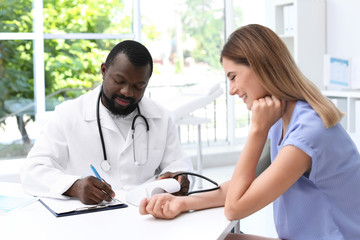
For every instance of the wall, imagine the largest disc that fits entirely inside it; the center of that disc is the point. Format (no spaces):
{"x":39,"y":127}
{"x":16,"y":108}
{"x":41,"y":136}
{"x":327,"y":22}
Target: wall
{"x":343,"y":31}
{"x":343,"y":40}
{"x":254,"y":11}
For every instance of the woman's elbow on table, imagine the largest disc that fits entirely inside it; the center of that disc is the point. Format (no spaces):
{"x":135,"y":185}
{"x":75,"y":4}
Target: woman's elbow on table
{"x":233,"y":212}
{"x":230,"y":213}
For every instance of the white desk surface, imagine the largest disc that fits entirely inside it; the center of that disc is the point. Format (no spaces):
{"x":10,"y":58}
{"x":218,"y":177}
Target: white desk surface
{"x":34,"y":221}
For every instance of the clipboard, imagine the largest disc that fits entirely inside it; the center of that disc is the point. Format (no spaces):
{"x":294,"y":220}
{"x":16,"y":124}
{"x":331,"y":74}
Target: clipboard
{"x":73,"y":206}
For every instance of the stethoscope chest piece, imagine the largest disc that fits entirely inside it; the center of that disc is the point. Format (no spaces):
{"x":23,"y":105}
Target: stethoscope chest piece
{"x":105,"y":165}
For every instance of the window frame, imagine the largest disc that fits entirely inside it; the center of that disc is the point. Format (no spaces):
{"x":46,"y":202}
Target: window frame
{"x":38,"y":37}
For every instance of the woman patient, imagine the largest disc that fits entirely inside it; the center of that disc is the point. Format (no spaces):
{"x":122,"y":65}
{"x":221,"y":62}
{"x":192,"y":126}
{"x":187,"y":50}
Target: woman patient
{"x":314,"y":176}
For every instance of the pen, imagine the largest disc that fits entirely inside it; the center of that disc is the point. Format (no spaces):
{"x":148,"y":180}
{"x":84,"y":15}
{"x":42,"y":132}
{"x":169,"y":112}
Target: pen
{"x":97,"y":175}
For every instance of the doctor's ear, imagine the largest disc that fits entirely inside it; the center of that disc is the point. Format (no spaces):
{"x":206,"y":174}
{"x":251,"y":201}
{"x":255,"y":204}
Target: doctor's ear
{"x":103,"y":69}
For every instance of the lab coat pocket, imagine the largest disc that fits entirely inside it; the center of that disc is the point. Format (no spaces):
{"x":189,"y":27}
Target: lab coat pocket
{"x":143,"y":156}
{"x":140,"y":147}
{"x":148,"y":157}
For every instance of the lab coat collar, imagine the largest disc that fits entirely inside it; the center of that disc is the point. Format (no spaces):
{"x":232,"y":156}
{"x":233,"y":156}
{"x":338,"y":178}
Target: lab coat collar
{"x":149,"y":108}
{"x":90,"y":105}
{"x":90,"y":102}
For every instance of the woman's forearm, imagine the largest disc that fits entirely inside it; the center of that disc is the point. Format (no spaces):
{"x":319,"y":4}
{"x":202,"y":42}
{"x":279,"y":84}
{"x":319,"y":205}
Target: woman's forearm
{"x":244,"y":175}
{"x":207,"y":199}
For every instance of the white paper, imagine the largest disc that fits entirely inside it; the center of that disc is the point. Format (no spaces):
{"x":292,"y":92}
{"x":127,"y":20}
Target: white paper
{"x":9,"y":203}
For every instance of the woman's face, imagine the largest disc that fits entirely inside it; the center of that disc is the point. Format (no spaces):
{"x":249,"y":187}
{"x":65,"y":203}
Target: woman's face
{"x":243,"y":82}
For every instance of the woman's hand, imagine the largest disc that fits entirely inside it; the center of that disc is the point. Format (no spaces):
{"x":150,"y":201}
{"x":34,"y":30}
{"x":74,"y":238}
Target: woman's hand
{"x":266,"y":111}
{"x":164,"y":206}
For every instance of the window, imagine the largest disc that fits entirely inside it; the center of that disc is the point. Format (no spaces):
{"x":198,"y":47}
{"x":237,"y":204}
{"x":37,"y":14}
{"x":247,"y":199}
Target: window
{"x":58,"y":57}
{"x":185,"y":43}
{"x":16,"y":17}
{"x":50,"y":51}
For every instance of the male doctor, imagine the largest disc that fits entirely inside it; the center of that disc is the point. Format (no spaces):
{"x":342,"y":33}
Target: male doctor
{"x":59,"y":163}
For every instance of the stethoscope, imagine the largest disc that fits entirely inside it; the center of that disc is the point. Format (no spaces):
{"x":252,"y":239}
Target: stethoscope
{"x":105,"y":165}
{"x":200,"y":176}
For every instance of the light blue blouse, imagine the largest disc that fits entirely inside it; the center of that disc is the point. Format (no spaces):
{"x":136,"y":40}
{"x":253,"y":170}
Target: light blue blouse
{"x":324,"y":204}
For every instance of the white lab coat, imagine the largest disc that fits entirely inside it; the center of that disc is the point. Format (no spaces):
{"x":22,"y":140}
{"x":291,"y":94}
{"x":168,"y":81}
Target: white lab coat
{"x":70,"y":142}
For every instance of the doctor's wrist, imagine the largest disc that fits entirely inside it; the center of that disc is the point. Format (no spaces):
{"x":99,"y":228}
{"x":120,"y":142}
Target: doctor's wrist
{"x":72,"y":191}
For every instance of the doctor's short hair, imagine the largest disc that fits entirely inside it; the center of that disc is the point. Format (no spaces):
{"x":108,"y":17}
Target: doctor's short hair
{"x":137,"y":54}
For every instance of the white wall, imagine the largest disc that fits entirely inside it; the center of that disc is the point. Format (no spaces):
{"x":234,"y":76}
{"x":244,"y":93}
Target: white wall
{"x":254,"y":11}
{"x":343,"y":29}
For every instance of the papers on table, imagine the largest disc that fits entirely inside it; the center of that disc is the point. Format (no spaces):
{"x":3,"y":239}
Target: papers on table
{"x":10,"y":203}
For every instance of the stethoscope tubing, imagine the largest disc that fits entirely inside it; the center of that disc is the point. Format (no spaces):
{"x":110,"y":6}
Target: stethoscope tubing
{"x":132,"y":128}
{"x":147,"y":129}
{"x":200,"y":176}
{"x":99,"y":126}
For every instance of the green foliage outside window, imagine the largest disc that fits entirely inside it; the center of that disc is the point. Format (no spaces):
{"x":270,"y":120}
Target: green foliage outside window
{"x":68,"y":63}
{"x":75,"y":63}
{"x":205,"y":23}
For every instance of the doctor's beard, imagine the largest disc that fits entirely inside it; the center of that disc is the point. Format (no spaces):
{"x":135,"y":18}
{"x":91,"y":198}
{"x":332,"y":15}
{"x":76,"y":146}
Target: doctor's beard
{"x":117,"y":111}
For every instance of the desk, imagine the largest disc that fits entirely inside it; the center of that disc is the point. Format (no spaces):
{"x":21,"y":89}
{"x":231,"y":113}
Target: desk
{"x":34,"y":221}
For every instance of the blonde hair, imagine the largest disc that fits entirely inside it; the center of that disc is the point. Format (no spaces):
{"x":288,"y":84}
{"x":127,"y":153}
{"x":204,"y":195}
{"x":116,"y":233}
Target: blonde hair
{"x":261,"y":49}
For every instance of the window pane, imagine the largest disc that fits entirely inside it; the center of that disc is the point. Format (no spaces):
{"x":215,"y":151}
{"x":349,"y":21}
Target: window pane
{"x":84,"y":16}
{"x":16,"y":16}
{"x":16,"y":97}
{"x":72,"y":67}
{"x":185,"y":42}
{"x":242,"y":116}
{"x":246,"y":12}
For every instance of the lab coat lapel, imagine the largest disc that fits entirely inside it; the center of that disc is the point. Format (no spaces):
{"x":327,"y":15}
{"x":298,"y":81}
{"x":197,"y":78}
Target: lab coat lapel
{"x":90,"y":105}
{"x":149,"y":111}
{"x":106,"y":120}
{"x":128,"y":141}
{"x":140,"y":130}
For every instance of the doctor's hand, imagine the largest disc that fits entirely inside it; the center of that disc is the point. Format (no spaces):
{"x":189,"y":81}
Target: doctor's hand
{"x":91,"y":190}
{"x":182,"y":179}
{"x":165,"y":206}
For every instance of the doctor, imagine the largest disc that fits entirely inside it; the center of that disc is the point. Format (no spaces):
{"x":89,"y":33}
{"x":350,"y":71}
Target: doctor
{"x":127,"y":137}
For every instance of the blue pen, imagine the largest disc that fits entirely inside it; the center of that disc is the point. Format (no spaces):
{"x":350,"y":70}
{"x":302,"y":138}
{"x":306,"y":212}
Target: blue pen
{"x":97,"y":175}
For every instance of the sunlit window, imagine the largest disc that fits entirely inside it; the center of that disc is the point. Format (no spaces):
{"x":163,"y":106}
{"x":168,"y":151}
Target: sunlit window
{"x":84,"y":16}
{"x":185,"y":41}
{"x":16,"y":96}
{"x":185,"y":38}
{"x":16,"y":16}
